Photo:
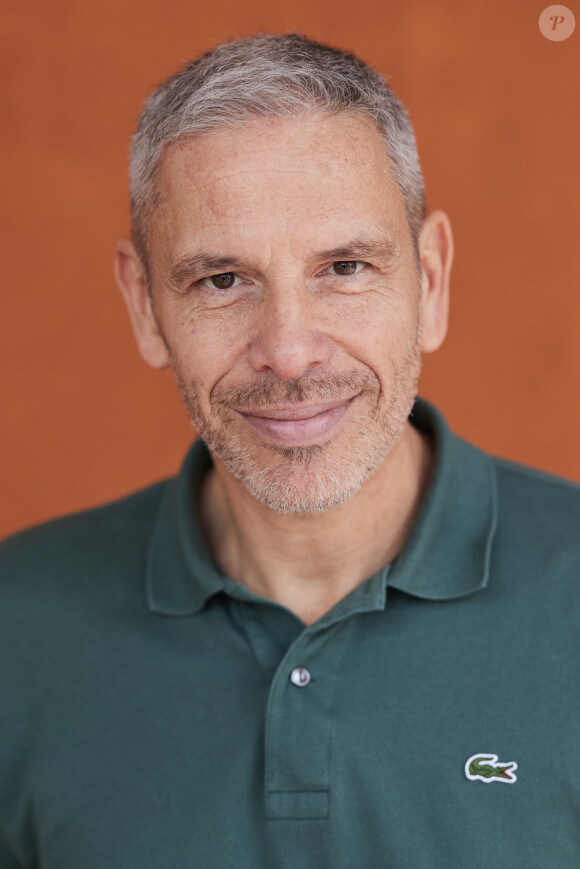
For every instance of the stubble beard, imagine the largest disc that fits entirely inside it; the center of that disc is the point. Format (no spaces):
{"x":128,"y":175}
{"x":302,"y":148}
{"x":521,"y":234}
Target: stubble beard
{"x":317,"y":477}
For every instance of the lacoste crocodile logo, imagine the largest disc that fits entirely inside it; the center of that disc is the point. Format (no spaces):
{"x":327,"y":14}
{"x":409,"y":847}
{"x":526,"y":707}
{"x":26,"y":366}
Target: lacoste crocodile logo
{"x":486,"y":768}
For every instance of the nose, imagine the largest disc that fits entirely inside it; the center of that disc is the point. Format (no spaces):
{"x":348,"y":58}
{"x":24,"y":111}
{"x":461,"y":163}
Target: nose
{"x":289,"y":338}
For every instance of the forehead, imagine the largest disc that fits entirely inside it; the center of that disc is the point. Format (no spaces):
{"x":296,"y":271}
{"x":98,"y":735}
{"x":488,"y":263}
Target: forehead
{"x":277,"y":177}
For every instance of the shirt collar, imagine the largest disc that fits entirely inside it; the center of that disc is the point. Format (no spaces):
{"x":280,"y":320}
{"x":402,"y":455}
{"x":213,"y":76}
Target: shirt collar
{"x":181,"y":571}
{"x":446,"y":553}
{"x":448,"y":549}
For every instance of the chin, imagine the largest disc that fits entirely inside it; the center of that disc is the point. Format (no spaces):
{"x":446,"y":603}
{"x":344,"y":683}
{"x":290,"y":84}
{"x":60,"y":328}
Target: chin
{"x":303,"y":479}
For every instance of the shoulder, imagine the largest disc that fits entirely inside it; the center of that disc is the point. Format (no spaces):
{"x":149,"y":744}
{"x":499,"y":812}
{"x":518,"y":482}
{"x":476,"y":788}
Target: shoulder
{"x":534,"y":492}
{"x":538,"y":527}
{"x":102,"y":542}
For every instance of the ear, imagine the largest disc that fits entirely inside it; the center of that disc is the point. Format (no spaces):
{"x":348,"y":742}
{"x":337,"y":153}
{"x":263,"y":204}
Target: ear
{"x":132,"y":280}
{"x":436,"y":252}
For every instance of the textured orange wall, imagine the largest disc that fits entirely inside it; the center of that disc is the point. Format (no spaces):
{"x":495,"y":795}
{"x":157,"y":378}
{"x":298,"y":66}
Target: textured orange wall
{"x":495,"y":107}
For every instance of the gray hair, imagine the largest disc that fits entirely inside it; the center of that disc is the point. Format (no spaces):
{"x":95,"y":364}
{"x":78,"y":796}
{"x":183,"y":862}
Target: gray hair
{"x":268,"y":75}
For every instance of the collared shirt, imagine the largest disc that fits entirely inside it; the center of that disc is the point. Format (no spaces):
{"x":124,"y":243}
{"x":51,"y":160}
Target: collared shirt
{"x":156,"y":714}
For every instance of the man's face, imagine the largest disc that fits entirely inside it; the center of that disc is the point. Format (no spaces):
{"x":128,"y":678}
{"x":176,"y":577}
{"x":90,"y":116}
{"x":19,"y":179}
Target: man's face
{"x":277,"y":328}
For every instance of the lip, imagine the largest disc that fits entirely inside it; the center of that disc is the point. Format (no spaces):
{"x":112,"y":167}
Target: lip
{"x":297,"y":425}
{"x":294,"y":411}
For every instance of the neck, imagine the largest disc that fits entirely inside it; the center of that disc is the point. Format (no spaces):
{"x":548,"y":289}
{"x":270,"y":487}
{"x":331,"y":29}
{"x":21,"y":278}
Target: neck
{"x":308,"y":566}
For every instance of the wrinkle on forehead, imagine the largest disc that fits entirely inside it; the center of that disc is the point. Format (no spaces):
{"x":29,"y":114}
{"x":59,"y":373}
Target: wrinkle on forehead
{"x":280,"y":147}
{"x":328,"y":178}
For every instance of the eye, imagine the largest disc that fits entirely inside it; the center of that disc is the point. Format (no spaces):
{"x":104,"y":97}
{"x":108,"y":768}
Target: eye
{"x":223,"y":281}
{"x":347,"y":268}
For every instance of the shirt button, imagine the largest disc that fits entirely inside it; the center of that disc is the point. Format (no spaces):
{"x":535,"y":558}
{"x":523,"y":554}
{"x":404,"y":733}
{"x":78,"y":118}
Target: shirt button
{"x":300,"y":676}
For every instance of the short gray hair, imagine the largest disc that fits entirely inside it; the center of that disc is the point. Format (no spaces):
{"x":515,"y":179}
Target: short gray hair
{"x":268,"y":75}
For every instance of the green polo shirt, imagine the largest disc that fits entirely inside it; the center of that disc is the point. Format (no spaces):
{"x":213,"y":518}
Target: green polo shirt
{"x":155,"y":714}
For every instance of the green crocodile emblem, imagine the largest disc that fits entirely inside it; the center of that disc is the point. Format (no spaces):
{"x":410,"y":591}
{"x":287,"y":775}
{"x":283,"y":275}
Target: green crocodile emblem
{"x":487,"y":768}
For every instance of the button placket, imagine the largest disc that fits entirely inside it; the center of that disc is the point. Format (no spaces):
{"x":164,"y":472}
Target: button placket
{"x":298,"y":725}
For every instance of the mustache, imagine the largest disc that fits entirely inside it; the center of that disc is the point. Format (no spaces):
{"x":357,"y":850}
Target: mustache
{"x":268,"y":393}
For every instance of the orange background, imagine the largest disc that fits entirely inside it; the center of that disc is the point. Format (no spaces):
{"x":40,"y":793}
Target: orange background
{"x":495,"y":110}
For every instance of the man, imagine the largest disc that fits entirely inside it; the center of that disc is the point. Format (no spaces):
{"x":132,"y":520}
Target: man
{"x":342,"y":636}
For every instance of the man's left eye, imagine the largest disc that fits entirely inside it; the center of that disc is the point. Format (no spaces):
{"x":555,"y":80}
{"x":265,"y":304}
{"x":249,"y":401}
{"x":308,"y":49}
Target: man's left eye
{"x":346,"y":268}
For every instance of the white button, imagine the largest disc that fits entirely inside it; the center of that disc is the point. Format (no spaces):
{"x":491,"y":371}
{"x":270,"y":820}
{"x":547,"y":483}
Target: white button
{"x":300,"y":676}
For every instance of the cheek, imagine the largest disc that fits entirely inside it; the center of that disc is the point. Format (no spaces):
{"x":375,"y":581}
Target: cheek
{"x":204,"y":350}
{"x":378,"y":328}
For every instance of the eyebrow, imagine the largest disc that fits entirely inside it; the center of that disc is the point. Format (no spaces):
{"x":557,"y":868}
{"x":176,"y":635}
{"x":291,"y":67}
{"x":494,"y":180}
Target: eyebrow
{"x":382,"y":248}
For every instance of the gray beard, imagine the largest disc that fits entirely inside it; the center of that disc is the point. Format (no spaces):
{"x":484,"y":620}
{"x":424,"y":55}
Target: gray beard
{"x":317,"y":477}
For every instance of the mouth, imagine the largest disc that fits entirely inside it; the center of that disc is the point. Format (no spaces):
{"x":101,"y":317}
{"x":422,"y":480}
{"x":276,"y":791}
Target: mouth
{"x":297,"y":424}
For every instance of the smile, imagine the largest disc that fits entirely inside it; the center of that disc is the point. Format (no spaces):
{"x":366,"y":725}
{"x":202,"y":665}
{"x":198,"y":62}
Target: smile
{"x":297,"y":425}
